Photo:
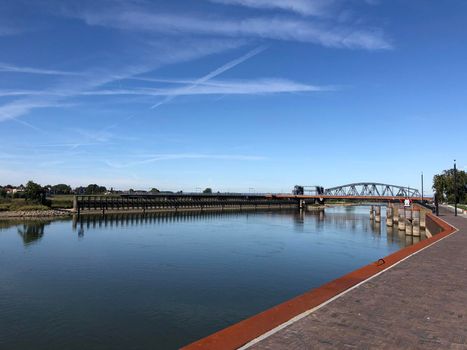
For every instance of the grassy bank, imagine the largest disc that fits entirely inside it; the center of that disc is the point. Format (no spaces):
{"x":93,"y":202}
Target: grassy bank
{"x":20,"y":204}
{"x":61,"y":201}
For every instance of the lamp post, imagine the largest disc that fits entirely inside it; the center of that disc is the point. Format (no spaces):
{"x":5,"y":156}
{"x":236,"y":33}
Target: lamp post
{"x":422,"y":186}
{"x":455,"y":189}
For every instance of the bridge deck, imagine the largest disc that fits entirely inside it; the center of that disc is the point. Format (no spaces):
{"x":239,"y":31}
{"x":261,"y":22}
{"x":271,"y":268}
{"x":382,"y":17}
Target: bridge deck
{"x":420,"y":303}
{"x":345,"y":197}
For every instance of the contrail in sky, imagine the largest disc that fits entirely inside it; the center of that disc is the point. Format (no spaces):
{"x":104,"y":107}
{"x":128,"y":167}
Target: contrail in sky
{"x":213,"y":74}
{"x":204,"y":79}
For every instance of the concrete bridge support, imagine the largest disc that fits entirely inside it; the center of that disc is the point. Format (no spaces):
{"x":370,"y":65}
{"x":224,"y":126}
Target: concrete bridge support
{"x":408,"y":222}
{"x":395,"y":212}
{"x":422,"y":219}
{"x":401,"y":223}
{"x":372,"y":212}
{"x":416,"y":222}
{"x":302,"y":204}
{"x":378,"y":214}
{"x":75,"y":205}
{"x":389,"y":215}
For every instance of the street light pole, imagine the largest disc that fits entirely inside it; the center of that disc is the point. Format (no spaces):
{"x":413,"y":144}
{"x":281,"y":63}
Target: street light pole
{"x":455,"y":188}
{"x":422,"y":186}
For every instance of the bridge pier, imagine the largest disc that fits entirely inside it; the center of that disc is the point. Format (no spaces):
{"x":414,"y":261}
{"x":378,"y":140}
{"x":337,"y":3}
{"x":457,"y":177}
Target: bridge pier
{"x":389,"y":217}
{"x":395,"y":212}
{"x":422,"y":219}
{"x":302,"y":204}
{"x":416,"y":222}
{"x":372,"y":212}
{"x":75,"y":204}
{"x":401,"y":223}
{"x":408,"y":222}
{"x":378,"y":214}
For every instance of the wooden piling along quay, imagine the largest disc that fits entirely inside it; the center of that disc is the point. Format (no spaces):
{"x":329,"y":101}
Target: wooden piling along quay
{"x":176,"y":202}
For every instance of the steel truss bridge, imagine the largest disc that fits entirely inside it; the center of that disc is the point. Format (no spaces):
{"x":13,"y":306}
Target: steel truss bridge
{"x":368,"y":189}
{"x":362,"y":191}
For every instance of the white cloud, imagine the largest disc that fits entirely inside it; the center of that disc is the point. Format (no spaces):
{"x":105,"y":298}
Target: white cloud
{"x":17,"y":108}
{"x":225,"y":67}
{"x":278,"y":28}
{"x":74,"y":84}
{"x":214,"y":87}
{"x":16,"y":69}
{"x":304,"y":7}
{"x":9,"y":93}
{"x":186,"y":49}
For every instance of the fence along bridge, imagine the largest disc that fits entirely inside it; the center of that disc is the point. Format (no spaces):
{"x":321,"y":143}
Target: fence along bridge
{"x":362,"y":191}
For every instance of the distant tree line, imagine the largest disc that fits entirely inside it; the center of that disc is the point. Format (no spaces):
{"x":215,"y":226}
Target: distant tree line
{"x":34,"y":192}
{"x":91,"y":189}
{"x":443,"y":185}
{"x":59,"y":189}
{"x":37,"y":193}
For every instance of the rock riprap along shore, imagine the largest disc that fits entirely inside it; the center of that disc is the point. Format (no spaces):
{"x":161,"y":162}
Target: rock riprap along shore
{"x":34,"y":213}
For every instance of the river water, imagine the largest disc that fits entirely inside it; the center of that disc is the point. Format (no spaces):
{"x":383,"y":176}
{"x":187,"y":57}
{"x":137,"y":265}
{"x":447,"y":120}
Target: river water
{"x":160,"y":281}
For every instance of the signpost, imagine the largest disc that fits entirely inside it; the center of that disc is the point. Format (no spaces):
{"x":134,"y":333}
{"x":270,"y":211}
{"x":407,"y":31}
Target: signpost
{"x":455,"y":189}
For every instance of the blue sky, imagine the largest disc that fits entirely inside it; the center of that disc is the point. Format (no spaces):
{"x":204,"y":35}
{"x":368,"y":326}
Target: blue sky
{"x":231,"y":94}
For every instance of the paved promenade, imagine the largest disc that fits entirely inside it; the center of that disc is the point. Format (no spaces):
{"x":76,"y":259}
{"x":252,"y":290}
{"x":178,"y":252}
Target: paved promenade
{"x":421,"y":303}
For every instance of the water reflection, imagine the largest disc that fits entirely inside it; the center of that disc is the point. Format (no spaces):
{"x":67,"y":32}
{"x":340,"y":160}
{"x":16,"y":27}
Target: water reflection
{"x":300,"y":218}
{"x":162,"y":280}
{"x":86,"y":222}
{"x":31,"y":232}
{"x":344,"y":218}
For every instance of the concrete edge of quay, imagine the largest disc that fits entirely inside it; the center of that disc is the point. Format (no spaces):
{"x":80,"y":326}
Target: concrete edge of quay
{"x":257,"y":327}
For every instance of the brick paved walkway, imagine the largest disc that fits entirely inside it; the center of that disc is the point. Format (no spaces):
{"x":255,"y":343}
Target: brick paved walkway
{"x":419,"y":304}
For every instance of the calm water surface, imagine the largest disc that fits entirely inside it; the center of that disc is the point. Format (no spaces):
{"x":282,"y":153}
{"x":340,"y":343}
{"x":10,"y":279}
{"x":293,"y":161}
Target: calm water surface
{"x":163,"y":280}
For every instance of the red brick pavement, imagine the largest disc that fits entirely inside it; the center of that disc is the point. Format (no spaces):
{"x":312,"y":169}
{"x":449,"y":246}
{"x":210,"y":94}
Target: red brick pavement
{"x":421,"y":303}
